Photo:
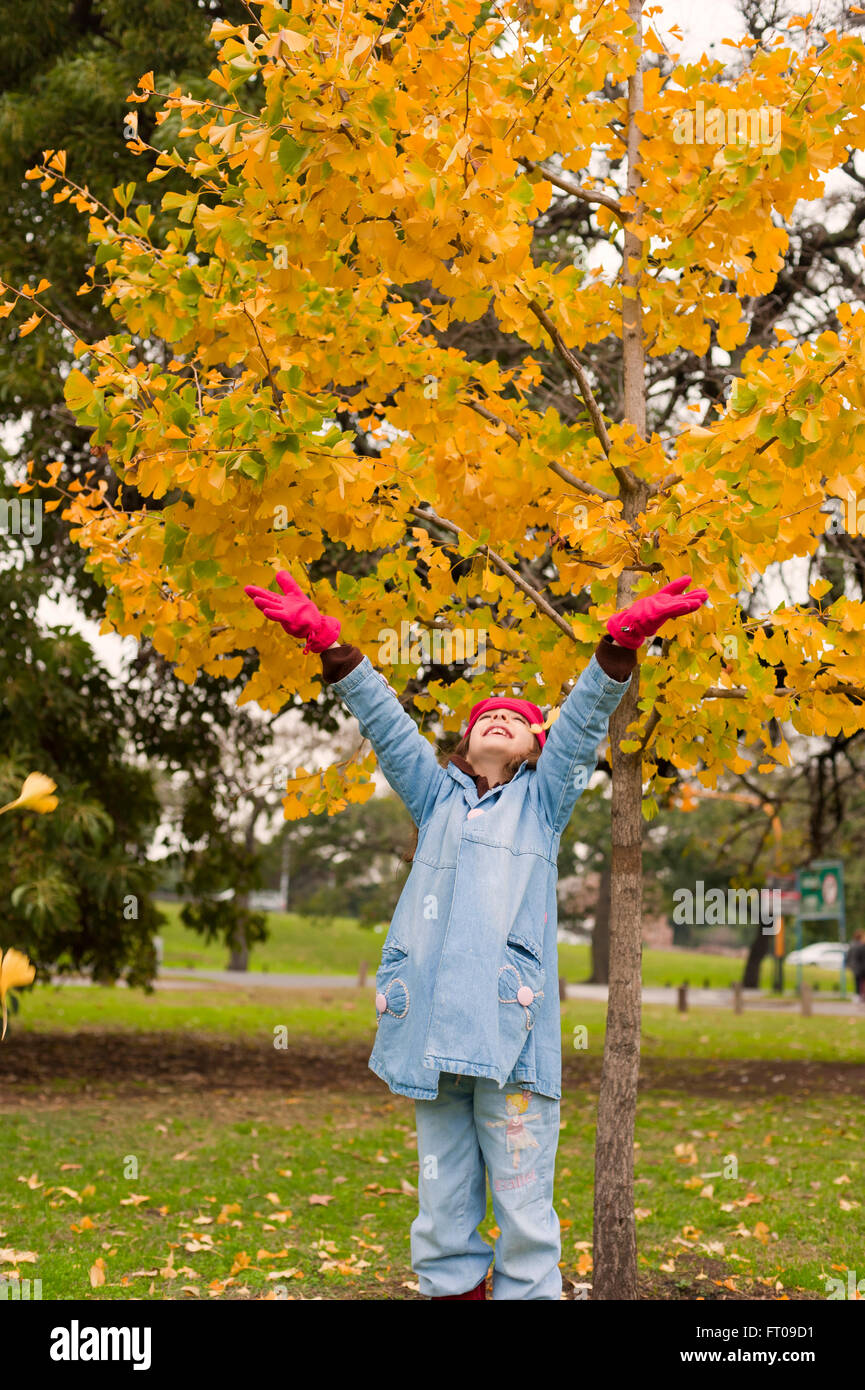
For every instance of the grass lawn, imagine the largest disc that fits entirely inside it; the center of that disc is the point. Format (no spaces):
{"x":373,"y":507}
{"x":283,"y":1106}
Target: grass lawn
{"x":163,"y":1146}
{"x":337,"y":945}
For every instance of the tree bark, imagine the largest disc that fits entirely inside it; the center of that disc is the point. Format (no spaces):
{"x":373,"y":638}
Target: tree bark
{"x":239,"y":958}
{"x":601,"y":932}
{"x":615,"y":1241}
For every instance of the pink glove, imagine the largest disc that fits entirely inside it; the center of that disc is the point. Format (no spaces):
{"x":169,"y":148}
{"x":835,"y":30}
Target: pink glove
{"x":297,"y":613}
{"x":633,"y":625}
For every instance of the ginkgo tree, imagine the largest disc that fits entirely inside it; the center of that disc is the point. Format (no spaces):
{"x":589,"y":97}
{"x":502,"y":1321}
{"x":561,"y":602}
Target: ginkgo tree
{"x":423,"y":150}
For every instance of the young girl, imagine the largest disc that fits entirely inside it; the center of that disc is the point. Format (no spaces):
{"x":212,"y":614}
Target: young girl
{"x":467,"y":1001}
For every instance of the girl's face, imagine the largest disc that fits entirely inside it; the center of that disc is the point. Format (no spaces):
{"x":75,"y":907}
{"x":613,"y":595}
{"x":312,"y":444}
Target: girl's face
{"x":503,"y":734}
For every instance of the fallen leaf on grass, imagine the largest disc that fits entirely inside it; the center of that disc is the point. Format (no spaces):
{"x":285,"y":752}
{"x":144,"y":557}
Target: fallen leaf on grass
{"x":85,"y":1224}
{"x":230,"y":1209}
{"x":14,"y":1257}
{"x":745,"y":1201}
{"x":133,"y":1201}
{"x":642,"y":1213}
{"x":285,"y":1274}
{"x":97,"y":1273}
{"x":319,"y":1199}
{"x":65,"y":1167}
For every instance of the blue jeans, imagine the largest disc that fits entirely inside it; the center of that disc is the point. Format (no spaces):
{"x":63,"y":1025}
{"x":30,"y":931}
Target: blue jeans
{"x":470,"y":1130}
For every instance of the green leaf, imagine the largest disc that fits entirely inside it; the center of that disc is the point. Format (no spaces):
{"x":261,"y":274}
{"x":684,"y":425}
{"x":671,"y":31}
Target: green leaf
{"x":77,"y":390}
{"x":252,"y":466}
{"x":175,"y":540}
{"x":742,"y":397}
{"x":290,"y":154}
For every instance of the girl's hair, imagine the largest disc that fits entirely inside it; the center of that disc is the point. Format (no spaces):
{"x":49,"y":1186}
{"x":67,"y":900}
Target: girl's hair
{"x":509,"y":770}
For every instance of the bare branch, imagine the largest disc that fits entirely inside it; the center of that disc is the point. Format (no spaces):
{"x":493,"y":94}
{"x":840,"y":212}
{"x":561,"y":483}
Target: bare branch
{"x":587,"y":195}
{"x":588,"y":488}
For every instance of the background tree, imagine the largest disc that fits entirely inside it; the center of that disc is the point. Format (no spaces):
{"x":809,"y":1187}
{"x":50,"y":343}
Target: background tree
{"x":65,"y":73}
{"x":78,"y":882}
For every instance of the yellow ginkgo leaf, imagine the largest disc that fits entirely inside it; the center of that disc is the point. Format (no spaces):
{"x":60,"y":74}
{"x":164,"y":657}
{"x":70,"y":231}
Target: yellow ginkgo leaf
{"x":15,"y":969}
{"x":548,"y":722}
{"x":35,"y":795}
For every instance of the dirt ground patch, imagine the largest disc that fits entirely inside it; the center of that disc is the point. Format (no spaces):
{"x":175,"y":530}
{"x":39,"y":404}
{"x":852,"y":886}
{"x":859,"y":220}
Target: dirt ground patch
{"x":696,"y":1278}
{"x":89,"y":1061}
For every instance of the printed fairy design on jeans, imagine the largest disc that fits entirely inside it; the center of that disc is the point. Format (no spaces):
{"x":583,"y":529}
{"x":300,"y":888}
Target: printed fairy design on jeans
{"x":517,"y":1136}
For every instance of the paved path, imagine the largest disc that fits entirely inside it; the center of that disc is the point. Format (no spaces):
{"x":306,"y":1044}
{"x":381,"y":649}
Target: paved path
{"x":174,"y":977}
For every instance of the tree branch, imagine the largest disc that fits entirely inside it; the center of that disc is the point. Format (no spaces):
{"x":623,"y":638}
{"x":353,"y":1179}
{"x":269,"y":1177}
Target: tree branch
{"x":588,"y":488}
{"x":587,"y":195}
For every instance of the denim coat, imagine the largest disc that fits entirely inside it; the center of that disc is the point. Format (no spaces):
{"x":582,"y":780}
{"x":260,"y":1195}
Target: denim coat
{"x":468,"y":981}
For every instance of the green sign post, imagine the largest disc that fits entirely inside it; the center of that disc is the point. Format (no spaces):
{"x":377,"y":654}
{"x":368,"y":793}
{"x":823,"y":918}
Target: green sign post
{"x":821,"y":898}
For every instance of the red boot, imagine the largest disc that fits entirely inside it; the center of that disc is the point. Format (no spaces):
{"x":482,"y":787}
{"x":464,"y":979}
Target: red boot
{"x":479,"y":1292}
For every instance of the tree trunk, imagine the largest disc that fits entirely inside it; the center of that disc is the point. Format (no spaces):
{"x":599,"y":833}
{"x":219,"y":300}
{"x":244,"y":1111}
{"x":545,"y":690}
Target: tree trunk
{"x":284,"y":869}
{"x":239,"y":958}
{"x":615,"y":1241}
{"x":756,"y":956}
{"x":601,"y":933}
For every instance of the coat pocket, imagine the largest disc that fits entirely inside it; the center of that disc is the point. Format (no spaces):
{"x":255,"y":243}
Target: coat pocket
{"x":521,"y":978}
{"x":391,"y":991}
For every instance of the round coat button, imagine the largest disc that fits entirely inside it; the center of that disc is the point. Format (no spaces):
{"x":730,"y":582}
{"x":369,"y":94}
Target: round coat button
{"x":381,"y":1002}
{"x":525,"y":995}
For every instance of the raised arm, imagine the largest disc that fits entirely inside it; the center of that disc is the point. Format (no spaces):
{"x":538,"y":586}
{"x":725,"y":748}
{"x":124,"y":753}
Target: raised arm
{"x":570,"y":752}
{"x":406,"y":758}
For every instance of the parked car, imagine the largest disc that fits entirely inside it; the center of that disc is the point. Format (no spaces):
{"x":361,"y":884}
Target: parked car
{"x":266,"y":901}
{"x":829,"y":955}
